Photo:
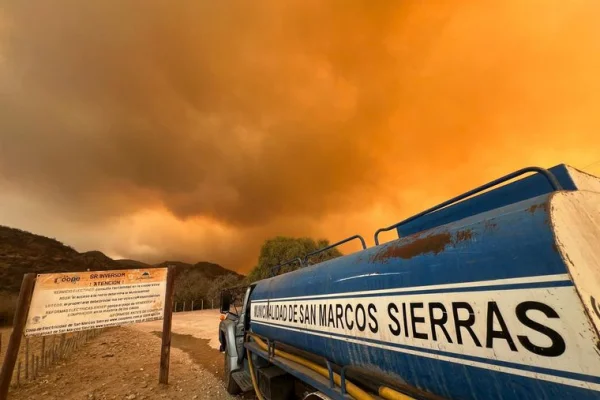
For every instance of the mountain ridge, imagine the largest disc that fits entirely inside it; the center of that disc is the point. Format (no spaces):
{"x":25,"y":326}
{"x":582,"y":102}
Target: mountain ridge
{"x":23,"y":252}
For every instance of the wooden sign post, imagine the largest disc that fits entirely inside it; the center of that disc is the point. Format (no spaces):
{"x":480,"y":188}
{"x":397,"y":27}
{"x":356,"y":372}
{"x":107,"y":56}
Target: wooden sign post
{"x":14,"y":343}
{"x":165,"y":349}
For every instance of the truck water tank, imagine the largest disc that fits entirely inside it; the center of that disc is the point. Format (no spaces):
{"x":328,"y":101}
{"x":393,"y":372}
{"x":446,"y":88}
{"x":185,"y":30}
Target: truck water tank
{"x":502,"y":304}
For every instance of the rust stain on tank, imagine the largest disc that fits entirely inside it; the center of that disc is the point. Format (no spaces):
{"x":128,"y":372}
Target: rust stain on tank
{"x":490,"y":226}
{"x":433,"y":243}
{"x":535,"y":207}
{"x":461,"y":236}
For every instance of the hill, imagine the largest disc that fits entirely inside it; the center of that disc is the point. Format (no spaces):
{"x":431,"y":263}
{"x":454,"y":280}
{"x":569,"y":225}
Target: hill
{"x":208,"y":269}
{"x":22,"y":252}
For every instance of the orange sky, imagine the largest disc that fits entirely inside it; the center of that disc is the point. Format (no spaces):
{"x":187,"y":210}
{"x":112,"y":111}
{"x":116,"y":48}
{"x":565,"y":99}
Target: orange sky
{"x":194,"y":130}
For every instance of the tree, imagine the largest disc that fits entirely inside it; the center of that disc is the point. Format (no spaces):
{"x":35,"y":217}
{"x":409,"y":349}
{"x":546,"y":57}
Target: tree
{"x":191,"y":285}
{"x":221,"y":282}
{"x":281,"y":249}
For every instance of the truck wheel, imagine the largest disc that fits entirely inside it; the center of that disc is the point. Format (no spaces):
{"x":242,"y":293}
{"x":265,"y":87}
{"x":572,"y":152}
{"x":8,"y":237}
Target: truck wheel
{"x":230,"y":384}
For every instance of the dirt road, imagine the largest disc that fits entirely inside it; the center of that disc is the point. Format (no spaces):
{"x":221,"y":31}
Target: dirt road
{"x":199,"y":324}
{"x":196,"y":333}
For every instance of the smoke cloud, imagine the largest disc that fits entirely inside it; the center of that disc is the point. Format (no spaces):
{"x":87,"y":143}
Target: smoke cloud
{"x":195,"y":130}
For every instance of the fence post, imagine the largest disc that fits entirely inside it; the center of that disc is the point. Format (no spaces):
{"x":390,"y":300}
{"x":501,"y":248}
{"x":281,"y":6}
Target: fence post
{"x":19,"y":374}
{"x":27,"y":358}
{"x":165,"y":349}
{"x":53,"y":349}
{"x":14,"y":343}
{"x":202,"y":308}
{"x":62,"y":346}
{"x":43,"y":355}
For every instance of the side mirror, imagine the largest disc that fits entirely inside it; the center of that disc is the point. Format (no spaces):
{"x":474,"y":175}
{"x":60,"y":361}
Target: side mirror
{"x":225,"y":301}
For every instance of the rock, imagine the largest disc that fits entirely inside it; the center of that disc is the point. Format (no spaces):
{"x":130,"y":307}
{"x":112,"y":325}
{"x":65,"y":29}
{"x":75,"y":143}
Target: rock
{"x":194,"y":397}
{"x":108,"y":355}
{"x":130,"y":396}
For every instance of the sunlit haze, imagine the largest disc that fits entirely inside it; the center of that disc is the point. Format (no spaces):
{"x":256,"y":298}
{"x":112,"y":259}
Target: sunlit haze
{"x":194,"y":130}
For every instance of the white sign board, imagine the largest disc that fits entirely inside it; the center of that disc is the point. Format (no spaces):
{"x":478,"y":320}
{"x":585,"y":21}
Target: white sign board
{"x":68,"y":302}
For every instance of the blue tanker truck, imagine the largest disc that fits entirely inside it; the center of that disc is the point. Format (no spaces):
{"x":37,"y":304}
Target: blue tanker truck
{"x":493,"y":295}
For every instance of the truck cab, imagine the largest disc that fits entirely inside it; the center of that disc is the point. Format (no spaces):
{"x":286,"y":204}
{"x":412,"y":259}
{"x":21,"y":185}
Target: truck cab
{"x":232,"y":329}
{"x":272,"y":382}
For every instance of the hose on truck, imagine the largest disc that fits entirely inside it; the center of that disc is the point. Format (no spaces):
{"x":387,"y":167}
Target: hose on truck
{"x":254,"y":384}
{"x":391,"y":394}
{"x":353,"y":390}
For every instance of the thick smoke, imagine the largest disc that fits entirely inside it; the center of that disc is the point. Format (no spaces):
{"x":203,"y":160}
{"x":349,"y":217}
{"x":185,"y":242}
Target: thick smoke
{"x":146,"y":124}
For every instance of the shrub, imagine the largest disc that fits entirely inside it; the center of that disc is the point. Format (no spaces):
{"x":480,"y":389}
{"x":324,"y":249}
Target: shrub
{"x":8,"y":305}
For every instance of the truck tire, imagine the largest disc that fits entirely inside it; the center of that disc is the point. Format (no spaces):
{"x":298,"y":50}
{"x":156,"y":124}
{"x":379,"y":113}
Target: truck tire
{"x":230,"y":384}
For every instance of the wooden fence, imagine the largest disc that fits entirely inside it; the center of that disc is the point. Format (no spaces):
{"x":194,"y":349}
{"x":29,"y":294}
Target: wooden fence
{"x":38,"y":354}
{"x":197,"y":305}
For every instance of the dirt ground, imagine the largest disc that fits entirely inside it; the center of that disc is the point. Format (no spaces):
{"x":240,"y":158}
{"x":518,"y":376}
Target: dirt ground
{"x":122,"y":363}
{"x":199,"y":324}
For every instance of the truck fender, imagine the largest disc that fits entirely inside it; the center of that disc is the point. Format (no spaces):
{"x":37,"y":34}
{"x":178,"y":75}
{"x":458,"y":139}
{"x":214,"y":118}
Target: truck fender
{"x":228,"y":344}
